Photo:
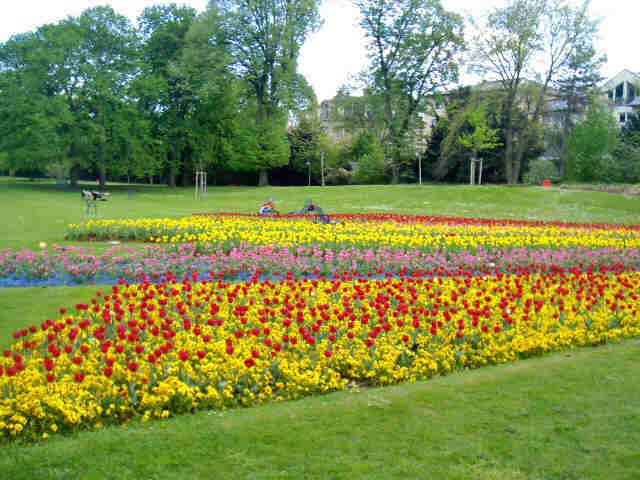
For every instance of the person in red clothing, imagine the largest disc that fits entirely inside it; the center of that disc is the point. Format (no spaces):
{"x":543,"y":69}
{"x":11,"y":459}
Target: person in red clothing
{"x":268,"y":207}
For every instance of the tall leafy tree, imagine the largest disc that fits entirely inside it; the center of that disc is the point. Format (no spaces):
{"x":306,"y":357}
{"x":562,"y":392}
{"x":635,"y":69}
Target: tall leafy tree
{"x":481,"y":137}
{"x":264,"y":39}
{"x":574,"y":88}
{"x":591,"y":145}
{"x":32,"y":113}
{"x":413,"y":47}
{"x":221,"y":117}
{"x":516,"y":41}
{"x":110,"y":50}
{"x":165,"y":93}
{"x":71,"y":100}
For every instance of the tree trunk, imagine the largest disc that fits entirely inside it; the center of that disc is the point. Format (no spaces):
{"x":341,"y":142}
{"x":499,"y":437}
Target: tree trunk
{"x":517,"y":164}
{"x":74,"y":174}
{"x":102,"y":172}
{"x":263,"y":180}
{"x":102,"y":164}
{"x":508,"y":155}
{"x":188,"y":167}
{"x":172,"y":170}
{"x":395,"y":174}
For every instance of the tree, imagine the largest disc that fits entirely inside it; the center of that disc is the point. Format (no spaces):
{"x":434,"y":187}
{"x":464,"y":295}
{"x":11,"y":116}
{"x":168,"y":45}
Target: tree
{"x":591,"y":146}
{"x":166,"y":98}
{"x":627,"y":152}
{"x":264,"y":39}
{"x":109,"y":49}
{"x":32,"y":114}
{"x":574,"y":88}
{"x":516,"y":40}
{"x":308,"y":144}
{"x":413,"y":48}
{"x":366,"y":153}
{"x":481,"y":137}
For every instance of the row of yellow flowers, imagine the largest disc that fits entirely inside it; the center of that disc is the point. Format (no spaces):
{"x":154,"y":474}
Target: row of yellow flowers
{"x":294,"y":231}
{"x":155,"y":350}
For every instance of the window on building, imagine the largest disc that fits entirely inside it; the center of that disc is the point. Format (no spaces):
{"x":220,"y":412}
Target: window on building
{"x":631,"y":93}
{"x":619,"y":92}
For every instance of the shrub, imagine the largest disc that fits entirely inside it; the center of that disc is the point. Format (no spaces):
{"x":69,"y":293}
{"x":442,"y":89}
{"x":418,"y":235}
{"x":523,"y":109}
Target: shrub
{"x":539,"y":170}
{"x":371,"y":169}
{"x":338,"y":176}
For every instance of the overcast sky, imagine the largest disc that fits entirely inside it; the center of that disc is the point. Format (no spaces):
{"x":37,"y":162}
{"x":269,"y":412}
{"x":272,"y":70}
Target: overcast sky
{"x":336,"y":51}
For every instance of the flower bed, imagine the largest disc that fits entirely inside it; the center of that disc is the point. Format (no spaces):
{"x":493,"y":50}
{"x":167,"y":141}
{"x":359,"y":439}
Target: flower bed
{"x":155,"y":350}
{"x":227,"y":232}
{"x":56,"y":265}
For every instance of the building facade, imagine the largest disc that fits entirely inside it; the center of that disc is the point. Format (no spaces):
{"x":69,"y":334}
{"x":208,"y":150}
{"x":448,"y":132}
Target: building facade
{"x":622,"y":93}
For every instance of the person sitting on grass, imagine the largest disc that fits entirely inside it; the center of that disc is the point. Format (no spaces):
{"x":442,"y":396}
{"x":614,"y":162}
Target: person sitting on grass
{"x":316,"y":211}
{"x":268,"y":207}
{"x":93,"y":195}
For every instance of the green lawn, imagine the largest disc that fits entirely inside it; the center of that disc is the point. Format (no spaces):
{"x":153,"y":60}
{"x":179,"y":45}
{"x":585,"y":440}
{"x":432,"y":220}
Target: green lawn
{"x":571,"y":415}
{"x":36,"y":211}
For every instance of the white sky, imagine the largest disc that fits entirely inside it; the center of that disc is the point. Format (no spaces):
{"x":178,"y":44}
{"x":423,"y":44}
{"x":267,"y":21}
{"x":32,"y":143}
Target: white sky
{"x":336,"y":51}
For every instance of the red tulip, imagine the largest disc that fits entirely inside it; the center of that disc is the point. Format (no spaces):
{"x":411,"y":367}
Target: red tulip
{"x":48,"y":364}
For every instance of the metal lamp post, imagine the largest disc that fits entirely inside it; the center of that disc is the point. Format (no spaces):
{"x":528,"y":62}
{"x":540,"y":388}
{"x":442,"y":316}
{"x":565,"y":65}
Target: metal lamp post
{"x":309,"y":170}
{"x":419,"y":168}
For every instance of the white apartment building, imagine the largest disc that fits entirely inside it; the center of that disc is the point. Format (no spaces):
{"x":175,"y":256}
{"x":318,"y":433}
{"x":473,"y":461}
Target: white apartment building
{"x":623,"y":94}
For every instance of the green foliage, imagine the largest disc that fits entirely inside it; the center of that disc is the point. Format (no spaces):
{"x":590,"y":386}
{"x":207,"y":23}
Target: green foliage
{"x":59,"y":169}
{"x":551,"y":37}
{"x":307,"y":143}
{"x":414,"y":47}
{"x":263,"y":39}
{"x":366,"y":153}
{"x":371,"y":169}
{"x":481,"y":137}
{"x":447,"y":158}
{"x":541,"y":169}
{"x":167,"y":91}
{"x":338,"y":176}
{"x":589,"y":154}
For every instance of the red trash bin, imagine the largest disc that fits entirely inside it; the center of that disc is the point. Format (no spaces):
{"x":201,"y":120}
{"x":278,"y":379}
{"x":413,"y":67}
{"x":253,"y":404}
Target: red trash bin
{"x":546,"y":182}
